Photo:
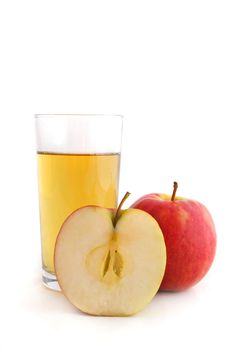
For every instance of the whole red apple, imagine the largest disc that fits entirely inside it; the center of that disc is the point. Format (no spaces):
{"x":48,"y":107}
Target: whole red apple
{"x":189,"y":235}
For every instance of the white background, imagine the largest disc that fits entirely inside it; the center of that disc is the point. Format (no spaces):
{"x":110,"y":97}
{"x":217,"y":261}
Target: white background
{"x":167,"y":67}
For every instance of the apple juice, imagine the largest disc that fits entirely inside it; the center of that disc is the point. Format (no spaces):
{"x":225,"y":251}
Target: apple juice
{"x":70,"y":181}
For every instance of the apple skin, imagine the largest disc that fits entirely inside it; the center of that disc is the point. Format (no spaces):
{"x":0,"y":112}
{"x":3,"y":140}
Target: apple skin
{"x":189,"y":235}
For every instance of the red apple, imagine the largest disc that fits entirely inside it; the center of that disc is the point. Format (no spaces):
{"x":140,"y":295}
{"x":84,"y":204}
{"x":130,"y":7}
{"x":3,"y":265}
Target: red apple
{"x":189,"y":235}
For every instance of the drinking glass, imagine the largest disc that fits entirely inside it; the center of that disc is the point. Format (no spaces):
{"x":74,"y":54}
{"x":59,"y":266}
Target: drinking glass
{"x":78,"y":165}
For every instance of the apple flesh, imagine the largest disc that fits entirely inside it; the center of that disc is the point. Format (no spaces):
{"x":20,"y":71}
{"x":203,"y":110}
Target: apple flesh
{"x":109,"y":268}
{"x":189,"y":235}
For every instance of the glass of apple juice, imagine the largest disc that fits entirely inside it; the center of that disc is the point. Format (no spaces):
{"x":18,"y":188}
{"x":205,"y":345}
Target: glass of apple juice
{"x":78,"y":164}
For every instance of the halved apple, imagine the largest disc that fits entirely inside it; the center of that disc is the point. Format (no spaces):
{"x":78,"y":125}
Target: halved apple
{"x":110,"y":263}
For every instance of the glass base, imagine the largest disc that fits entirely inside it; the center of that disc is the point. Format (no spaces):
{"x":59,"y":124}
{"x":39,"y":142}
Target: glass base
{"x":50,"y":280}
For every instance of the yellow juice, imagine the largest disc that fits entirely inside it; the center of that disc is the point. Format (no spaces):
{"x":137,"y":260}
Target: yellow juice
{"x":70,"y":181}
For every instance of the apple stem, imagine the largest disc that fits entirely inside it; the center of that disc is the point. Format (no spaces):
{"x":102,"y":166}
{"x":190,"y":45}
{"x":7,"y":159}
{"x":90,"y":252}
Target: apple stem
{"x":116,"y":217}
{"x":175,"y":186}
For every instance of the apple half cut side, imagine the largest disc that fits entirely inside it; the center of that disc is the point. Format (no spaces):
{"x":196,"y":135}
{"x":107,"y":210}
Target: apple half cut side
{"x":106,"y":269}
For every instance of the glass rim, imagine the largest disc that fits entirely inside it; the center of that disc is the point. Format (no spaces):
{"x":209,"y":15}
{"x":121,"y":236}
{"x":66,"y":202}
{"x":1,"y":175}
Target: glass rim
{"x":98,"y":115}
